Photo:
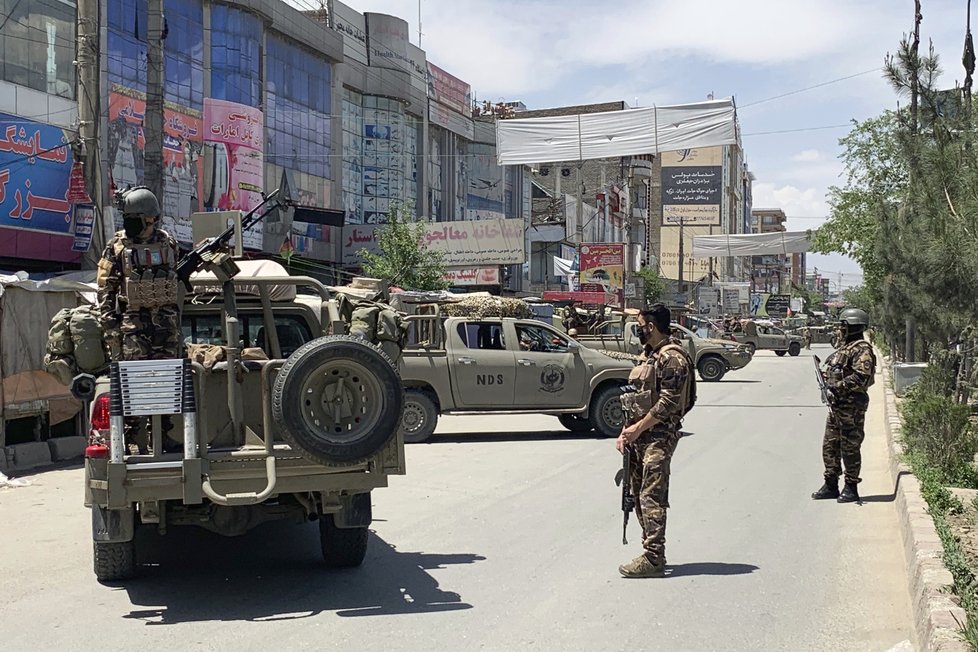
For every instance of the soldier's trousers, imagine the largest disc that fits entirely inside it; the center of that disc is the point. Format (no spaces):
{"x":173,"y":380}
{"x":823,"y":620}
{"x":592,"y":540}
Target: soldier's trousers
{"x":840,"y":447}
{"x":151,"y":334}
{"x":650,"y":486}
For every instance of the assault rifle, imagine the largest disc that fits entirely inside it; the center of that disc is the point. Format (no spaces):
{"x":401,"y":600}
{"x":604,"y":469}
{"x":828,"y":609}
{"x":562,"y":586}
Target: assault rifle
{"x":212,"y":254}
{"x":826,"y":396}
{"x":623,"y":477}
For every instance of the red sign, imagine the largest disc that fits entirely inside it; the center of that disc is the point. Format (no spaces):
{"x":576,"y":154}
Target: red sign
{"x":76,"y":185}
{"x":586,"y":298}
{"x":472,"y":276}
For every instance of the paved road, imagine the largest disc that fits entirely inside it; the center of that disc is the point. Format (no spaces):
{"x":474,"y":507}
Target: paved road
{"x":505,"y":535}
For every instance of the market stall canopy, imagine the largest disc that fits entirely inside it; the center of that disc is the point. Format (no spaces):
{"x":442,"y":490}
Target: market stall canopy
{"x":751,"y":244}
{"x":629,"y":132}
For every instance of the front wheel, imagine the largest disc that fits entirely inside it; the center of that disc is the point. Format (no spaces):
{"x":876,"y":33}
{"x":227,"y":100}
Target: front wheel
{"x":751,"y":348}
{"x":711,"y":369}
{"x":575,"y":423}
{"x":794,"y":349}
{"x":419,"y":418}
{"x":607,"y":415}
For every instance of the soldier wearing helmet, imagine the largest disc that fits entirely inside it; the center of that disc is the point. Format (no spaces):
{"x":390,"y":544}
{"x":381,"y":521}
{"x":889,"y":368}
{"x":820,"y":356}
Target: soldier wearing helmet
{"x":849,"y":375}
{"x":137,"y":285}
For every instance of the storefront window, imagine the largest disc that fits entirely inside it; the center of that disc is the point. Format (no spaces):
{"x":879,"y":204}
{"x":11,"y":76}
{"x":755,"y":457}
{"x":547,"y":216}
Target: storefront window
{"x":235,"y":55}
{"x":297,"y":117}
{"x":37,"y":45}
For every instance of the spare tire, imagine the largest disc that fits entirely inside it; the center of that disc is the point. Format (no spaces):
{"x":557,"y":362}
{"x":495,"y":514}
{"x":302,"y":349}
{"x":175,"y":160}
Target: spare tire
{"x":338,"y":400}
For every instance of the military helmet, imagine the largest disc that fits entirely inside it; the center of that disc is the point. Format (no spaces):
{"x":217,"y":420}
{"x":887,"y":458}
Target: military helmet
{"x":139,"y":201}
{"x":854,"y":317}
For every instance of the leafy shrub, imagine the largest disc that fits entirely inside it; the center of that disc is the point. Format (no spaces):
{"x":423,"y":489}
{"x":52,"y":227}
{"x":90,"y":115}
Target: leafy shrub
{"x":937,"y":428}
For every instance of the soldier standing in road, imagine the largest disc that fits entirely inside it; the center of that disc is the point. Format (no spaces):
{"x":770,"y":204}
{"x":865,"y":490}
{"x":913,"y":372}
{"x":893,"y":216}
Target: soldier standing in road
{"x":569,"y":317}
{"x":655,"y":411}
{"x":137,"y":287}
{"x":850,"y":374}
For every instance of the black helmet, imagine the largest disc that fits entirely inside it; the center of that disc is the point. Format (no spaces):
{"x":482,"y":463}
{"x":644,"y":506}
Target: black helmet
{"x":854,"y":317}
{"x":139,"y":202}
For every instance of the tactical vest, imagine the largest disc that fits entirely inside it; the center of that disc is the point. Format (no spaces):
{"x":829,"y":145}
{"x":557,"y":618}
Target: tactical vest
{"x":839,"y":364}
{"x":148,"y":279}
{"x":644,"y":378}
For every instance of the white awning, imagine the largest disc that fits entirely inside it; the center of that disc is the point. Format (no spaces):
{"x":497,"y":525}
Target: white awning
{"x":585,"y":136}
{"x":751,"y":244}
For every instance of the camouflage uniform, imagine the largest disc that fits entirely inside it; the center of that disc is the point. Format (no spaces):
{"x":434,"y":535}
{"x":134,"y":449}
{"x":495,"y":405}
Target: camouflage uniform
{"x":661,"y":383}
{"x":137,"y":294}
{"x":850,"y":374}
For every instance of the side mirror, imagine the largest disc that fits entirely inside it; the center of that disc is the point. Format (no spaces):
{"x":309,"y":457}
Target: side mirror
{"x":573,"y":347}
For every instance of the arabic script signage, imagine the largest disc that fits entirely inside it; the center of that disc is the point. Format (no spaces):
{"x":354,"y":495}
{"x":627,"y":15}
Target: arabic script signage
{"x":692,"y":186}
{"x":35,"y":168}
{"x":602,"y":269}
{"x":236,"y":135}
{"x":482,"y":242}
{"x":472,"y":276}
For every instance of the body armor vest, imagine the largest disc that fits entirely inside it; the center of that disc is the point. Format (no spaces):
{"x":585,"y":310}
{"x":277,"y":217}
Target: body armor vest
{"x":148,"y":279}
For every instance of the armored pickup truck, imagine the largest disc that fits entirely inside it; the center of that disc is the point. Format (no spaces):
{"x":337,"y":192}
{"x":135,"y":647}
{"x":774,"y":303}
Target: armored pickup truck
{"x":765,"y":336}
{"x":284,"y":417}
{"x":467,"y":365}
{"x":713,"y":358}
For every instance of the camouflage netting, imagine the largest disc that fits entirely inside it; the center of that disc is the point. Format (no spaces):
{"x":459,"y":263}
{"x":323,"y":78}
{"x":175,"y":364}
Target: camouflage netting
{"x":618,"y":355}
{"x":482,"y":307}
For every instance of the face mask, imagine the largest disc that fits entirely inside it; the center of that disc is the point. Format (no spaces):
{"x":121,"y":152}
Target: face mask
{"x":134,"y":226}
{"x":643,"y":335}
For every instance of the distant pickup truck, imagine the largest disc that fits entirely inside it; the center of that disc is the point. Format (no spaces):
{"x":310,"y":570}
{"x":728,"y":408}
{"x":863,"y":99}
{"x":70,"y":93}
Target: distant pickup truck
{"x":466,"y":365}
{"x":764,"y":336}
{"x":713,"y":358}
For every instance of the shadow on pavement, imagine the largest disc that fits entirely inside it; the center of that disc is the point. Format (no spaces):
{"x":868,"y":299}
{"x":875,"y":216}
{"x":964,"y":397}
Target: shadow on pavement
{"x":769,"y":406}
{"x":709,"y":568}
{"x":484,"y":437}
{"x":885,"y":498}
{"x":275,"y":572}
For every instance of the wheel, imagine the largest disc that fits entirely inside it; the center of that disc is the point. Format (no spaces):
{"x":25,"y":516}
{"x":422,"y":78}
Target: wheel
{"x":711,"y":369}
{"x":342,"y":547}
{"x":794,"y":349}
{"x":420,"y":416}
{"x":751,"y":348}
{"x":607,"y":416}
{"x":780,"y":354}
{"x":114,"y":561}
{"x":575,"y":423}
{"x":338,"y":400}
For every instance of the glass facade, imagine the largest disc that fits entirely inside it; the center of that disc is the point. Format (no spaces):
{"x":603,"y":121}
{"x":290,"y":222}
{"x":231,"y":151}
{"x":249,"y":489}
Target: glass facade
{"x":37,"y":45}
{"x":184,"y":52}
{"x":297,"y":110}
{"x":380,"y":142}
{"x":235,"y":55}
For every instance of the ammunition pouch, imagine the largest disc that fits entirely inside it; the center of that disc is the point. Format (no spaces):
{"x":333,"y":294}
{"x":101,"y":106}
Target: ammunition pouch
{"x":150,"y":291}
{"x":637,"y":404}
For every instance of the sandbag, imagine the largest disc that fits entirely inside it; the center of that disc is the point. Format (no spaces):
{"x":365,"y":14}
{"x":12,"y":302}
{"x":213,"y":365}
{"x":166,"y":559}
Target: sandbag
{"x":88,"y":339}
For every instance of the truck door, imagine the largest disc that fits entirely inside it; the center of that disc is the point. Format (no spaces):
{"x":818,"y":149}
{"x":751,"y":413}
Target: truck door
{"x":549,"y":373}
{"x":483,"y":370}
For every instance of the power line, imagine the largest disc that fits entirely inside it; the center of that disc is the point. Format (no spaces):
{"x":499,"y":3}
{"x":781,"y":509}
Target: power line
{"x":790,"y":131}
{"x":808,"y":88}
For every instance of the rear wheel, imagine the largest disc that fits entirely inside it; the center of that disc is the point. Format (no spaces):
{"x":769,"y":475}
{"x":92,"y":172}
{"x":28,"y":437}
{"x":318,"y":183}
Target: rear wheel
{"x":341,"y":547}
{"x":114,"y":561}
{"x":711,"y":369}
{"x":780,"y":353}
{"x":575,"y":423}
{"x":794,"y":349}
{"x":419,"y":418}
{"x":607,"y":415}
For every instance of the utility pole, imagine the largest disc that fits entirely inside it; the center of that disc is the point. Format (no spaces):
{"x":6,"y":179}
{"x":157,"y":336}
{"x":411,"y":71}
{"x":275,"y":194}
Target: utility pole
{"x":153,"y":122}
{"x":681,"y":289}
{"x":580,"y":204}
{"x":89,"y":107}
{"x":909,"y":353}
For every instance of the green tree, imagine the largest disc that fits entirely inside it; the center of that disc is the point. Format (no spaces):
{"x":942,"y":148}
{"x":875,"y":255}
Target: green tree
{"x":405,"y":260}
{"x":654,"y":287}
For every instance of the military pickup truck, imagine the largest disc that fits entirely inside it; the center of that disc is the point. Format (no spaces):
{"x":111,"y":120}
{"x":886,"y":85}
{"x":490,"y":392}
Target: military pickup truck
{"x":713,"y":358}
{"x":764,"y":336}
{"x":238,"y":439}
{"x":466,"y":365}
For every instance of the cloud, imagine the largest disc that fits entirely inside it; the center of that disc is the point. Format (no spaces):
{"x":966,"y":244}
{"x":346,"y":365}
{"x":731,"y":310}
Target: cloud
{"x":807,"y":155}
{"x":801,"y":203}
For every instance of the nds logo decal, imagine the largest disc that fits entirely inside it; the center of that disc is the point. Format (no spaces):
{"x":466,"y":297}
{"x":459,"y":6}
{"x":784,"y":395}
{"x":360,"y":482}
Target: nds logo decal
{"x":552,"y":379}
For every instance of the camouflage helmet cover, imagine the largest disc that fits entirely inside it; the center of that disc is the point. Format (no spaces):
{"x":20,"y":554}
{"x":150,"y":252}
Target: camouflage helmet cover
{"x":854,"y":317}
{"x":139,"y":201}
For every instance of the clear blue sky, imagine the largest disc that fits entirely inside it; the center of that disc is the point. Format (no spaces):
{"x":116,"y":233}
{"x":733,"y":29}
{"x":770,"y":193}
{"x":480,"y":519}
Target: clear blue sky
{"x":558,"y":52}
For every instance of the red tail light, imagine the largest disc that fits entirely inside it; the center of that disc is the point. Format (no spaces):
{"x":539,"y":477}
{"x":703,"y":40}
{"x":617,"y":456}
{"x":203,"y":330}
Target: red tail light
{"x":100,"y":413}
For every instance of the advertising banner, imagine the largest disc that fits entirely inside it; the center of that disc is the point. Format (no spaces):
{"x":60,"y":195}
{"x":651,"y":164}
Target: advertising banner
{"x":472,"y":276}
{"x":467,"y":243}
{"x":84,"y":226}
{"x":692,"y":187}
{"x":603,"y":270}
{"x":35,"y":168}
{"x":352,"y":26}
{"x":236,"y":167}
{"x":182,"y":144}
{"x":769,"y":305}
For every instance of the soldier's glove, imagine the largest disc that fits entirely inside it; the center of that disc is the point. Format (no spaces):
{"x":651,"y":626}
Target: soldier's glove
{"x":832,"y":397}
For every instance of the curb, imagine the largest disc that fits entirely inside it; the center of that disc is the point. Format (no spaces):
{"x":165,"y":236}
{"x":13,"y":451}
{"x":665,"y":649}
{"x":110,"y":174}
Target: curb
{"x":936,"y":611}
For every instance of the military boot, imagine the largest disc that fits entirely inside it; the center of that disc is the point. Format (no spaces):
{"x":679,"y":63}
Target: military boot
{"x":829,"y":490}
{"x":641,"y":566}
{"x":849,"y":494}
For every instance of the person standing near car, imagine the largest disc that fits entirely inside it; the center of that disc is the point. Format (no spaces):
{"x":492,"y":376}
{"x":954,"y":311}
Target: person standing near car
{"x":656,"y":410}
{"x":850,"y":374}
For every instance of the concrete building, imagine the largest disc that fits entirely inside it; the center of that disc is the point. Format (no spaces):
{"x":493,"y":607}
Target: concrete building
{"x":771,"y":274}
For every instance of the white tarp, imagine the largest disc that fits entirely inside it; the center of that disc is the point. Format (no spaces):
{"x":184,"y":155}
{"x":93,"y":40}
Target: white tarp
{"x":751,"y":244}
{"x":564,"y":267}
{"x":585,"y":136}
